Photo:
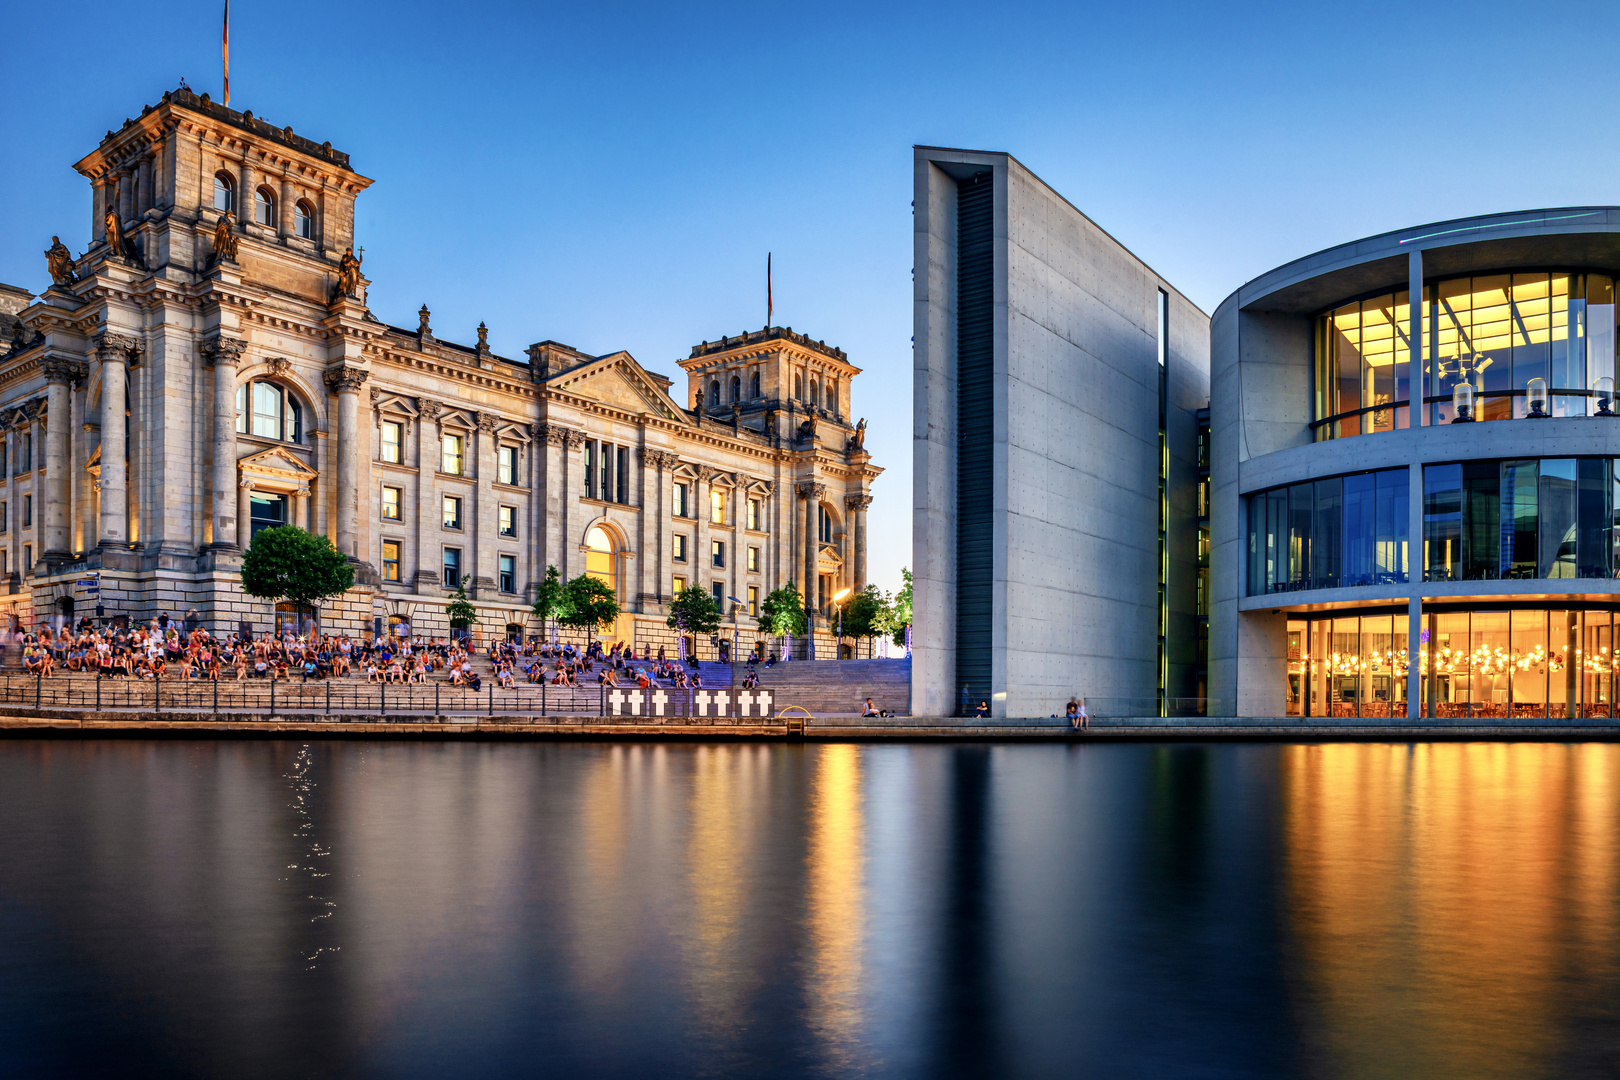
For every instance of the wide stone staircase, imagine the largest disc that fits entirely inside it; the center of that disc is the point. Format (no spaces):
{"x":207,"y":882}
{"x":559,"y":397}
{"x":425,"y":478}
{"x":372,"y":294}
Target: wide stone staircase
{"x":832,"y":687}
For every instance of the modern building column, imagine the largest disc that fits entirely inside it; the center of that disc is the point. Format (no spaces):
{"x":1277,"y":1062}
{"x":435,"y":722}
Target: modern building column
{"x":114,"y":350}
{"x":346,"y":382}
{"x":222,"y":354}
{"x":59,"y":373}
{"x":1414,"y":307}
{"x":1414,"y":650}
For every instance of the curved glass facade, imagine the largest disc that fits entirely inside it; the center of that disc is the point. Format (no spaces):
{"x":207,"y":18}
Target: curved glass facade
{"x":1521,"y":661}
{"x":1494,"y":332}
{"x":1327,"y":534}
{"x":1495,"y":520}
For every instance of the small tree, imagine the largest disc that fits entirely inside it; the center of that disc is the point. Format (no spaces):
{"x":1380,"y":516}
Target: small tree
{"x":587,"y":603}
{"x":550,"y":597}
{"x":866,"y":614}
{"x":693,"y":611}
{"x":287,"y":563}
{"x":782,"y":611}
{"x":900,"y":611}
{"x":460,"y":612}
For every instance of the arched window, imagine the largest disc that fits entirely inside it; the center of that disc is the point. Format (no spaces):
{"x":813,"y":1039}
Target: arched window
{"x":736,"y":389}
{"x":714,"y":392}
{"x":832,"y":394}
{"x":753,"y":384}
{"x":599,"y":558}
{"x":224,"y":193}
{"x":269,"y":412}
{"x":798,"y":388}
{"x":264,"y":207}
{"x":304,"y":220}
{"x":815,"y":393}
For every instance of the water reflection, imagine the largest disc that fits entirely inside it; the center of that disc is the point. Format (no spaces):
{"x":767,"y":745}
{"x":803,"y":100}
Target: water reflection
{"x":272,"y":909}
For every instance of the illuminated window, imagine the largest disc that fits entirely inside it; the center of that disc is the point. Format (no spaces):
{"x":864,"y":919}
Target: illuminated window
{"x":682,"y":497}
{"x":304,"y":220}
{"x":679,"y":584}
{"x":753,"y":601}
{"x":451,"y":456}
{"x":753,"y":560}
{"x":717,"y":507}
{"x":753,"y":514}
{"x":508,"y":525}
{"x":600,"y":562}
{"x":390,"y":560}
{"x":393,"y":435}
{"x":390,"y":502}
{"x":506,"y":469}
{"x":680,"y":548}
{"x":452,"y":512}
{"x":224,"y":193}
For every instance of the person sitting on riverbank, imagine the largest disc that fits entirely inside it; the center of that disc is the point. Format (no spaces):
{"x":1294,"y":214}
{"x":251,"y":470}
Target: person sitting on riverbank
{"x":870,"y":709}
{"x":983,"y":711}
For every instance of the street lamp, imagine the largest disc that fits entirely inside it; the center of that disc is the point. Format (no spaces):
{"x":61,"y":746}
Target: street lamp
{"x":736,"y":606}
{"x":838,"y":598}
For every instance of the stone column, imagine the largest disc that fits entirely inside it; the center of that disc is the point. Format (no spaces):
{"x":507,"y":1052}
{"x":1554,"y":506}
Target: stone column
{"x":114,"y":351}
{"x":59,"y":372}
{"x":284,"y":212}
{"x":425,"y":578}
{"x":812,"y":493}
{"x":700,"y":558}
{"x":244,"y":510}
{"x":143,"y":187}
{"x":222,"y":353}
{"x":300,"y":515}
{"x":652,"y":472}
{"x":857,"y":504}
{"x":244,"y":196}
{"x":567,"y":496}
{"x":345,"y":382}
{"x":483,"y":515}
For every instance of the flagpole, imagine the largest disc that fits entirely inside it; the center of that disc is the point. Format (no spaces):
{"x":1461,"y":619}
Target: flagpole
{"x":225,"y":50}
{"x":769,"y":311}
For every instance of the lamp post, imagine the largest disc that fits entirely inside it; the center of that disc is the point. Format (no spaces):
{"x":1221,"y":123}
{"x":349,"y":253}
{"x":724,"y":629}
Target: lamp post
{"x":736,"y":607}
{"x":838,"y":598}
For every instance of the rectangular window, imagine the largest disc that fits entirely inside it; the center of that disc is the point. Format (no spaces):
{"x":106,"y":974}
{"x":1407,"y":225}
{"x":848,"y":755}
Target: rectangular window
{"x":605,"y":460}
{"x":451,"y":457}
{"x":1557,"y":520}
{"x":452,"y":512}
{"x":753,"y":560}
{"x":452,"y":567}
{"x":1341,"y":531}
{"x":3,"y":518}
{"x":678,"y":585}
{"x":28,"y":510}
{"x":679,"y":554}
{"x":681,"y":507}
{"x":717,"y":507}
{"x":506,"y":469}
{"x":508,"y":573}
{"x":717,"y":553}
{"x":1442,"y":523}
{"x":390,"y":502}
{"x":28,"y":559}
{"x":390,"y":560}
{"x":753,"y":514}
{"x":27,"y":452}
{"x":753,"y":601}
{"x":624,"y":475}
{"x":393,"y":437}
{"x":2,"y":457}
{"x":3,"y":555}
{"x":719,"y":589}
{"x":590,"y":469}
{"x":508,"y":521}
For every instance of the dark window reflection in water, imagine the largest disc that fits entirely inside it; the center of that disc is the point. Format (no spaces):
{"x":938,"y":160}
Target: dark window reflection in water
{"x":279,"y":909}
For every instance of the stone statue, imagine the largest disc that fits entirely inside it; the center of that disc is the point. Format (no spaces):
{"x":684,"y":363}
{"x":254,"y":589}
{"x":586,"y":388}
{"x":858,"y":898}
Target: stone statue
{"x":225,"y":237}
{"x":60,"y":261}
{"x":483,"y":338}
{"x":349,"y":273}
{"x":423,"y":316}
{"x":860,"y":434}
{"x":113,"y":233}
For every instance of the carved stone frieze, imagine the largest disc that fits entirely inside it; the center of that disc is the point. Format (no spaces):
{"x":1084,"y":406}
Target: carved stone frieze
{"x":575,"y":438}
{"x":430,"y":410}
{"x":223,"y":350}
{"x":61,"y":369}
{"x":346,"y":379}
{"x":857,"y":502}
{"x":487,"y":423}
{"x":116,"y":347}
{"x":812,"y":490}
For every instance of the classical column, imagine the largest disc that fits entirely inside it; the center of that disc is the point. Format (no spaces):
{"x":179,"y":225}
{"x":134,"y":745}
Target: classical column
{"x":59,"y":372}
{"x":222,"y":353}
{"x":301,"y":508}
{"x":485,"y":516}
{"x":114,"y":351}
{"x":652,"y":472}
{"x":812,"y":493}
{"x":857,"y":504}
{"x":567,"y":542}
{"x":284,"y":212}
{"x":345,"y":382}
{"x":244,"y":510}
{"x":700,"y":560}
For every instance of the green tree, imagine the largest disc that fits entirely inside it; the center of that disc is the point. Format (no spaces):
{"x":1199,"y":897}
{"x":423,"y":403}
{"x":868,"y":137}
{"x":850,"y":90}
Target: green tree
{"x":900,"y":612}
{"x":287,"y":563}
{"x":694,"y":611}
{"x":587,"y":603}
{"x":866,"y":614}
{"x":461,"y":613}
{"x":550,"y":597}
{"x":782,"y":611}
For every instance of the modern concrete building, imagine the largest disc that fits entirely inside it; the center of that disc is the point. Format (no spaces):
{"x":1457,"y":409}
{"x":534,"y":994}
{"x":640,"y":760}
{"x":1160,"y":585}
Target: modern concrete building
{"x":217,"y":335}
{"x":1416,"y":505}
{"x":1058,"y":385}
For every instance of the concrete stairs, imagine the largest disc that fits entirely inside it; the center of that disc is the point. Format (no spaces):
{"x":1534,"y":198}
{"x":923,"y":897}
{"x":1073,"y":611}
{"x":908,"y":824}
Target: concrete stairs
{"x":831,"y":687}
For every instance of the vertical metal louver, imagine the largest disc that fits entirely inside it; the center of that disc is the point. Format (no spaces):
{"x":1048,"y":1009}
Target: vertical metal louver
{"x":975,"y":425}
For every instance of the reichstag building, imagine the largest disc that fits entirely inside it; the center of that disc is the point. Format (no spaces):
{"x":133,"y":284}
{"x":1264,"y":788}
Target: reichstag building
{"x":210,"y":368}
{"x":1415,"y":502}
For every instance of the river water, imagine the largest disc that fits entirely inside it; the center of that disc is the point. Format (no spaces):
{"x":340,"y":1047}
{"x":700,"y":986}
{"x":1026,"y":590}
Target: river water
{"x":280,"y":909}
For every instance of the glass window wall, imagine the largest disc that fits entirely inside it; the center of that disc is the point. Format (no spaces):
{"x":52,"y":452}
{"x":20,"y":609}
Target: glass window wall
{"x":1346,"y":530}
{"x":1347,"y":666}
{"x":1552,"y":518}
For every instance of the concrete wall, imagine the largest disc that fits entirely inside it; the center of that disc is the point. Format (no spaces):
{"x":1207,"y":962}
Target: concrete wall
{"x":1075,"y":444}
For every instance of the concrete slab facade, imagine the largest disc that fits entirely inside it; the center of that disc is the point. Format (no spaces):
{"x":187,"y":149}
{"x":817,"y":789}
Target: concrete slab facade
{"x":1073,"y":446}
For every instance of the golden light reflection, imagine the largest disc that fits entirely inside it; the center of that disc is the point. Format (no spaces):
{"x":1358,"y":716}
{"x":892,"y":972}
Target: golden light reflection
{"x":724,"y":814}
{"x":837,"y":914}
{"x":1444,"y":897}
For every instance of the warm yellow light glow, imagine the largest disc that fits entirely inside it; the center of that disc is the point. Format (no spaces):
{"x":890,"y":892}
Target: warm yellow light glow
{"x":840,"y":594}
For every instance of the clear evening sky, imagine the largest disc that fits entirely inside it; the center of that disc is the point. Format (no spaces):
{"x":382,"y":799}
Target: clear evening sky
{"x":612,"y":175}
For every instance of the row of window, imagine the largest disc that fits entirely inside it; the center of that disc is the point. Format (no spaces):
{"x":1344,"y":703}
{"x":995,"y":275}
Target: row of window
{"x":25,"y":454}
{"x":718,"y":590}
{"x":735,"y":387}
{"x":27,"y":513}
{"x":717,"y":553}
{"x":264,"y":206}
{"x":683,"y":506}
{"x":607,"y":472}
{"x":393,"y":555}
{"x":1555,"y":518}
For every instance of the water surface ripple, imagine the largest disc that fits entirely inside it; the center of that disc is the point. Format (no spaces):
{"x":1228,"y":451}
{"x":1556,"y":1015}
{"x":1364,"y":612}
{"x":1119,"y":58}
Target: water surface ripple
{"x":275,"y":909}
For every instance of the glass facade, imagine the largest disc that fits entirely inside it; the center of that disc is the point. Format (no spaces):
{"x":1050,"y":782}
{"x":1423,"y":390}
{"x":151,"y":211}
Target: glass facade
{"x":1546,"y":518}
{"x":1353,"y":665}
{"x":1325,"y":534}
{"x":1496,"y":333}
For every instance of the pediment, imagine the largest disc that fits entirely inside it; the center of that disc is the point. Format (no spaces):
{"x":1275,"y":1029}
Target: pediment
{"x":277,"y":462}
{"x":397,"y":404}
{"x":618,"y":381}
{"x":508,"y":432}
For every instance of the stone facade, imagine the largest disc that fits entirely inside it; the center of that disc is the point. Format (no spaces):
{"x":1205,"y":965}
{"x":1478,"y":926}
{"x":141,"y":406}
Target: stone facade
{"x":218,"y":330}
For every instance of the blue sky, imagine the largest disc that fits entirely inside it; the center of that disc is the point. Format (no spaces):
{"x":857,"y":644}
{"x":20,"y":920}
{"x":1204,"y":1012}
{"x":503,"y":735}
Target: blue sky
{"x":612,"y":175}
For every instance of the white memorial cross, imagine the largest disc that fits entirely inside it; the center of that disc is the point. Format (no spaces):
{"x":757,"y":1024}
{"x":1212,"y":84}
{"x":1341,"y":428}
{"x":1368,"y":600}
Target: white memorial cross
{"x":660,"y":698}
